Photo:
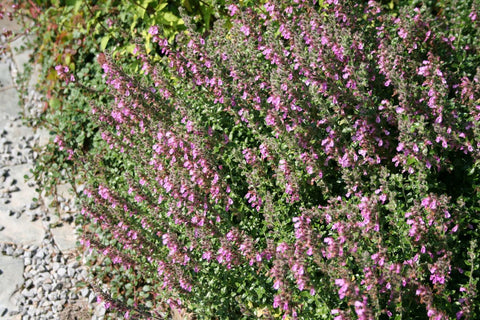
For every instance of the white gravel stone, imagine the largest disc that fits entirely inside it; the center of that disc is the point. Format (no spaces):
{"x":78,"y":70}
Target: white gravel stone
{"x":61,"y":272}
{"x":9,"y":251}
{"x":40,"y":254}
{"x":92,"y":297}
{"x":71,"y":272}
{"x":13,"y":189}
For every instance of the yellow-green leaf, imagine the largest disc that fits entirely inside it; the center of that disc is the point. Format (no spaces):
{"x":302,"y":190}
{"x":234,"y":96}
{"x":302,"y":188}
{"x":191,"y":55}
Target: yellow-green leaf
{"x":161,"y":6}
{"x":104,"y":42}
{"x":169,"y":18}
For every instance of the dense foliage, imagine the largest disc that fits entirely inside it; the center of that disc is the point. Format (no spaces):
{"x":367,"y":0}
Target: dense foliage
{"x":300,"y":160}
{"x":72,"y":33}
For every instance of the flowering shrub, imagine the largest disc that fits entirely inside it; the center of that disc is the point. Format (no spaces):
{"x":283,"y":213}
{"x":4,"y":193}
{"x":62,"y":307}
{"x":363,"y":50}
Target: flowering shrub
{"x":308,"y":161}
{"x":71,"y":34}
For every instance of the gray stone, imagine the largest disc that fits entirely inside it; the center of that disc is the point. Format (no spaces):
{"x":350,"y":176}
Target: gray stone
{"x":59,"y":304}
{"x":9,"y":251}
{"x":40,"y":254}
{"x":13,"y":189}
{"x":47,"y":287}
{"x":11,"y":279}
{"x":9,"y":98}
{"x":13,"y":313}
{"x":92,"y":297}
{"x":21,"y":231}
{"x":28,"y":293}
{"x":55,"y":266}
{"x":39,"y":293}
{"x":52,"y":296}
{"x":28,"y":283}
{"x":33,"y":205}
{"x":64,"y":237}
{"x":44,"y":275}
{"x":71,"y":272}
{"x":57,"y":286}
{"x":21,"y":57}
{"x":84,"y":274}
{"x":84,"y":292}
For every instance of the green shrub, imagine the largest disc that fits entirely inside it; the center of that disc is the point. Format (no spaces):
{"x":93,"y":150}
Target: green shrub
{"x":300,"y":160}
{"x":73,"y":33}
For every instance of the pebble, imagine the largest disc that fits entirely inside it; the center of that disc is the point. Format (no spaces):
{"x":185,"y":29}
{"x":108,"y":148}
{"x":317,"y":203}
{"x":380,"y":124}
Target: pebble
{"x":9,"y":251}
{"x":33,"y":206}
{"x":84,"y":292}
{"x":92,"y":297}
{"x":61,"y":272}
{"x":18,"y":252}
{"x":13,"y":189}
{"x":40,"y":254}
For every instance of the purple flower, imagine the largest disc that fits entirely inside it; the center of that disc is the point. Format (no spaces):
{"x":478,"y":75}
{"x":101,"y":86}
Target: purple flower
{"x":153,"y":30}
{"x":402,"y":33}
{"x":233,"y":9}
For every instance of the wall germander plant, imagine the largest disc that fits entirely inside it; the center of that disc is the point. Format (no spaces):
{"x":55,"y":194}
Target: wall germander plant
{"x":311,"y":161}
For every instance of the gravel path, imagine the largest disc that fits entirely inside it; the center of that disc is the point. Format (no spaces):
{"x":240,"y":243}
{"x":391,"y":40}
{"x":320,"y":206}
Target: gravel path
{"x":40,"y":266}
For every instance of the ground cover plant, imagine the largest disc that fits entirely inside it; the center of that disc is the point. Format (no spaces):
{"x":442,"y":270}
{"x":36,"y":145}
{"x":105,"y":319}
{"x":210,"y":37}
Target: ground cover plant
{"x":300,"y":160}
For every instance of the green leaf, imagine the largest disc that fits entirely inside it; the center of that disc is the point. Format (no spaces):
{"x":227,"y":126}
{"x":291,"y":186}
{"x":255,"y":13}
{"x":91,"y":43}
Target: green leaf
{"x":54,"y":103}
{"x":161,"y":6}
{"x":411,"y":160}
{"x":170,"y":19}
{"x":260,"y":292}
{"x":104,"y":42}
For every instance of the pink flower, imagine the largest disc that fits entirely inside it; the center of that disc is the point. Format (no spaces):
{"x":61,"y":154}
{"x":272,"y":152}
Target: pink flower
{"x":153,"y":30}
{"x":245,"y":30}
{"x":473,"y":15}
{"x":402,"y":33}
{"x":233,"y":9}
{"x":343,"y":287}
{"x":276,"y":301}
